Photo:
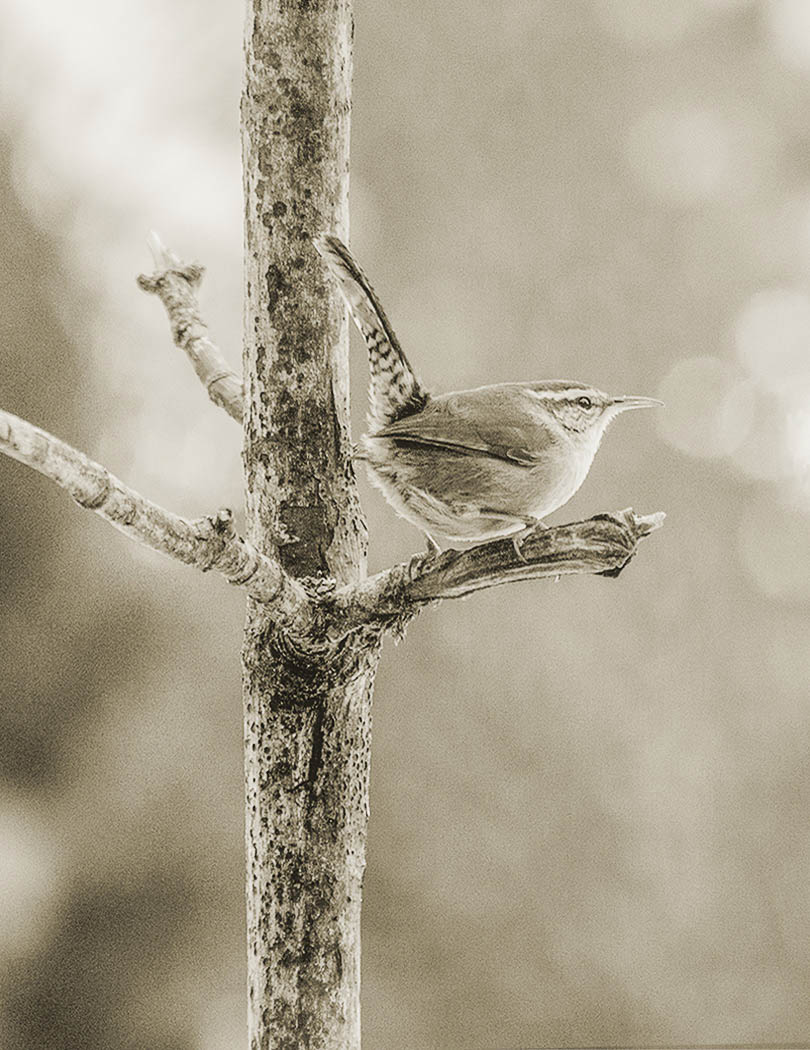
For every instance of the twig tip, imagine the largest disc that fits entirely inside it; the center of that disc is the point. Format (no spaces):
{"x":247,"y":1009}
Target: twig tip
{"x":156,"y":248}
{"x":651,"y":522}
{"x":163,"y":257}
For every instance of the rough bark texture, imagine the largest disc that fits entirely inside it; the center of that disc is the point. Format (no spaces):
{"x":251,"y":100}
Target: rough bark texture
{"x":307,"y":720}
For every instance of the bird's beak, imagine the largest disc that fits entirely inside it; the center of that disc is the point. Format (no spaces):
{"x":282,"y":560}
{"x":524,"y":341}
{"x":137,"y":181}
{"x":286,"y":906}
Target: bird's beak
{"x":620,"y":404}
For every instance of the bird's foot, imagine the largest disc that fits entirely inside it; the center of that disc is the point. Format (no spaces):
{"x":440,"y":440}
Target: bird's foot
{"x":520,"y":537}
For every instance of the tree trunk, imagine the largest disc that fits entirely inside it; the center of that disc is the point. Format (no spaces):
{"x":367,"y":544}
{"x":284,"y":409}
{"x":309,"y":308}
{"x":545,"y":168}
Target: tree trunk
{"x":307,"y":717}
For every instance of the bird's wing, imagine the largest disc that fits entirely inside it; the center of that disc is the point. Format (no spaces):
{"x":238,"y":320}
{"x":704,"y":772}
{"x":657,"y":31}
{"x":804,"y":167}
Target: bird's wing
{"x":492,"y":421}
{"x":395,"y":390}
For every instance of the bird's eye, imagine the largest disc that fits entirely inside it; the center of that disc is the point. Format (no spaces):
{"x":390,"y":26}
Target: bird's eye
{"x":585,"y":403}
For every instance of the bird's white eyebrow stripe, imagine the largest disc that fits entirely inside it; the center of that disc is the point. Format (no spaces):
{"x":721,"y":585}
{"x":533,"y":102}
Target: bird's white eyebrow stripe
{"x":562,"y":395}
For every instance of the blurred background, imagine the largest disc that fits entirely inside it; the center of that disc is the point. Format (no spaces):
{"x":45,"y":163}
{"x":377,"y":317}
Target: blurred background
{"x":591,"y":800}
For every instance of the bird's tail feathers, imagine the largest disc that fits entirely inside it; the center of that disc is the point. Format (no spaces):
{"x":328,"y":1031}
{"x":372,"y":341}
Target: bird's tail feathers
{"x":395,"y":390}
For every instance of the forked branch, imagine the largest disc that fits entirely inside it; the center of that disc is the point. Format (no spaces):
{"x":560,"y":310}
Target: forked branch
{"x":603,"y":545}
{"x":314,"y":618}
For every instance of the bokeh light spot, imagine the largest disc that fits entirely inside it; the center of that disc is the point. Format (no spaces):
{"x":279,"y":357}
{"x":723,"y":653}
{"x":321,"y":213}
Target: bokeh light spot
{"x":772,"y":337}
{"x":773,"y":543}
{"x":708,"y":411}
{"x":797,"y":430}
{"x":788,"y":24}
{"x":764,"y":454}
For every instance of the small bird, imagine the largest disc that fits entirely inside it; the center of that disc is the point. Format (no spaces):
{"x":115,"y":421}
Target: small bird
{"x":472,"y":465}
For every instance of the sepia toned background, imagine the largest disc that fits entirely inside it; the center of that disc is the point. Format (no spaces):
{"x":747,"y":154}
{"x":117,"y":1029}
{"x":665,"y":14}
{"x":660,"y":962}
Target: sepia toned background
{"x":590,"y":800}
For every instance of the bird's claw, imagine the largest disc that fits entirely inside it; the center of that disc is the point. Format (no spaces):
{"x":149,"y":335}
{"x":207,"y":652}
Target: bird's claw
{"x":420,"y":560}
{"x":517,"y":543}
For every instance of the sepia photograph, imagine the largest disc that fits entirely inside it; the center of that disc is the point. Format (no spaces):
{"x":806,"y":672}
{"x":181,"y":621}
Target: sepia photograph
{"x":405,"y":525}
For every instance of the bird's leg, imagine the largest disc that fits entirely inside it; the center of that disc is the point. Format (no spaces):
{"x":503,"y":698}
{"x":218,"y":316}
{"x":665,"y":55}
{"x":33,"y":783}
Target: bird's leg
{"x":432,"y":546}
{"x":432,"y":550}
{"x":530,"y":524}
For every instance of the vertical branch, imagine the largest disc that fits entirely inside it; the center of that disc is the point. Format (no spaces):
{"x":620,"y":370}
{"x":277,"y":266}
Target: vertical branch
{"x":295,"y":112}
{"x":307,"y":719}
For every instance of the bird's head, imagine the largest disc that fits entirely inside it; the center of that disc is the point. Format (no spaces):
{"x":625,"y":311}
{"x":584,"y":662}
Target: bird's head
{"x":581,"y":413}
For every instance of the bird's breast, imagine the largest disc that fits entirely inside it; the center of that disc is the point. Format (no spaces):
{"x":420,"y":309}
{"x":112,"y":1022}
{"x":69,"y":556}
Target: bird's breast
{"x":557,"y":477}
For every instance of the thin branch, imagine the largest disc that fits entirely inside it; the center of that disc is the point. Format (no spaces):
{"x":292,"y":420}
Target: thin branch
{"x":206,"y":543}
{"x":176,"y":284}
{"x":602,"y":545}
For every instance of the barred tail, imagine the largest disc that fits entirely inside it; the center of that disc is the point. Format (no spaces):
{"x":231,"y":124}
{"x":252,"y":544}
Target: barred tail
{"x":395,"y":391}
